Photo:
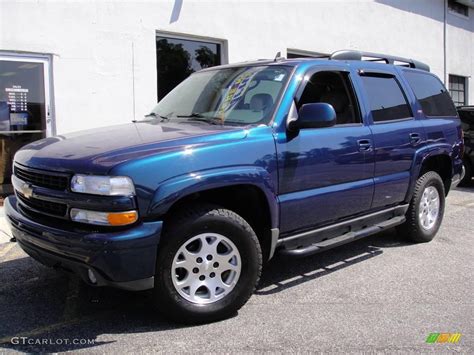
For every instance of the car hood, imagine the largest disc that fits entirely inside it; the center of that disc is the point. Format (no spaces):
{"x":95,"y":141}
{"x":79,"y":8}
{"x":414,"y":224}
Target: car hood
{"x":98,"y":150}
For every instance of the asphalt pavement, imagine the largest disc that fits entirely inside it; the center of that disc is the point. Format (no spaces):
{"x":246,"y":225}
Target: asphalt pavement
{"x":379,"y":294}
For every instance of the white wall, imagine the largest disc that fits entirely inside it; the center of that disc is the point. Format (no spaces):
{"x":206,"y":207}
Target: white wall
{"x":460,"y":49}
{"x":92,"y":42}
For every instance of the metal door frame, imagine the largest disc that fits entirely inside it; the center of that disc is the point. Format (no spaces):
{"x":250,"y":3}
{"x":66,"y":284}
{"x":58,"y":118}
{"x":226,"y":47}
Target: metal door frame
{"x":46,"y":60}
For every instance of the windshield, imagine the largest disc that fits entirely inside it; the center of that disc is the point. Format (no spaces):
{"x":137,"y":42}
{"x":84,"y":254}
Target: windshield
{"x":238,"y":95}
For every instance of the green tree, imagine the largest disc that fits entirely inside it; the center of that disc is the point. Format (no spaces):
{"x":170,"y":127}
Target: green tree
{"x":173,"y":65}
{"x":206,"y":57}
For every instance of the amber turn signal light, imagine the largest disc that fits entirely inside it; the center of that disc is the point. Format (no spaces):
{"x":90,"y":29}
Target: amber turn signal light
{"x":104,"y":218}
{"x":122,"y":218}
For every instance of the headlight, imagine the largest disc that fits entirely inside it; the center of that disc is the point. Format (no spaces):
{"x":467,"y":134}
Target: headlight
{"x":103,"y":185}
{"x":104,"y":218}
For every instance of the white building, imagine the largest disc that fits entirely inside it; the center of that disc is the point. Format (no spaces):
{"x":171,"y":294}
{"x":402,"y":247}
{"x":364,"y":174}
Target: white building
{"x":99,"y":59}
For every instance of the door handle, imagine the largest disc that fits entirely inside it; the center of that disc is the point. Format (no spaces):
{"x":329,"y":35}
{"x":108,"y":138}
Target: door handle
{"x":364,"y":145}
{"x":415,"y":138}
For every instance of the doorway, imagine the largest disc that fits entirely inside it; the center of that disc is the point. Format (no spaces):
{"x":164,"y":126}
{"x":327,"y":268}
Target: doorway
{"x":25,"y":108}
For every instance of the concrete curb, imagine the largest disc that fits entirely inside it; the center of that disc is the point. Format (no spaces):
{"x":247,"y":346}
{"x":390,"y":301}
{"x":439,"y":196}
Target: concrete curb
{"x":5,"y":232}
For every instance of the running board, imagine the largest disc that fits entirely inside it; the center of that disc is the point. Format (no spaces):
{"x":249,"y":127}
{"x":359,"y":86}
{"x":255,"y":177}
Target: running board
{"x":289,"y":246}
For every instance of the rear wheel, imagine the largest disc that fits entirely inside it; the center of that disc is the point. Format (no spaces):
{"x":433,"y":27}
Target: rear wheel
{"x":208,"y":265}
{"x":425,"y":214}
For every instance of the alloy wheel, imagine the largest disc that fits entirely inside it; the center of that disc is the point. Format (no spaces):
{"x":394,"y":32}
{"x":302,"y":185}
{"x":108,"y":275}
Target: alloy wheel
{"x":206,"y":268}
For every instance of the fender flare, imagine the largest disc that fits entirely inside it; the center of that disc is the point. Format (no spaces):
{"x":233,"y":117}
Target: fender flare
{"x":172,"y":190}
{"x":420,"y":158}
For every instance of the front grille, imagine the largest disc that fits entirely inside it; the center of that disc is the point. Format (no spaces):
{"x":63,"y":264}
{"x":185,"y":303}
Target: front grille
{"x":42,"y":178}
{"x":42,"y":206}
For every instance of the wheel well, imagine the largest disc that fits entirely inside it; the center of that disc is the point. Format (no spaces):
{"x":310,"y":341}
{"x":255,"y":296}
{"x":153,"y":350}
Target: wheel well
{"x":442,"y":165}
{"x":467,"y":160}
{"x":248,"y":201}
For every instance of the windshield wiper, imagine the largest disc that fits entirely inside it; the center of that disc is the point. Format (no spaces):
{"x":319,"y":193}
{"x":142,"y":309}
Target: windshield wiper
{"x":154,"y":116}
{"x":201,"y":118}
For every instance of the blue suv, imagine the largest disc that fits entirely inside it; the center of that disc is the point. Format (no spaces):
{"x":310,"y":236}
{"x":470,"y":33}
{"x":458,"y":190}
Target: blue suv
{"x":237,"y":163}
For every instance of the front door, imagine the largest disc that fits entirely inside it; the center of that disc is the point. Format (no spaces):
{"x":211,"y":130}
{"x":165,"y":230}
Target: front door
{"x":25,"y":108}
{"x":326,"y":174}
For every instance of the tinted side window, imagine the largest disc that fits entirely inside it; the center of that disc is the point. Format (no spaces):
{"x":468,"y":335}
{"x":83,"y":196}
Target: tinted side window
{"x":431,"y":94}
{"x":334,"y":88}
{"x":387,"y":101}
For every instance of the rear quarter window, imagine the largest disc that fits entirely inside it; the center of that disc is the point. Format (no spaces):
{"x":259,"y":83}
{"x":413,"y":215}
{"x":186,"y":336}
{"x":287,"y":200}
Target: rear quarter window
{"x":431,"y":94}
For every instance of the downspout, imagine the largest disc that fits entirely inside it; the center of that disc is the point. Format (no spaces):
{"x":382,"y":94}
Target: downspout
{"x":445,"y":76}
{"x":133,"y":79}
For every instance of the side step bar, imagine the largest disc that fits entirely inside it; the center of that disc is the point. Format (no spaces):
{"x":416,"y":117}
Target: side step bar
{"x":343,"y":238}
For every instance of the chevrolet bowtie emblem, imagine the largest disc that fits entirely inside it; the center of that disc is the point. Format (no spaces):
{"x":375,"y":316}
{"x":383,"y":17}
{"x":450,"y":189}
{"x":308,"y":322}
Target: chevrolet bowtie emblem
{"x":26,"y":190}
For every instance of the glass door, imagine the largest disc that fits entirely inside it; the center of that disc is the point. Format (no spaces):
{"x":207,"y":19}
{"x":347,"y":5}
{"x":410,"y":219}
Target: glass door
{"x":25,"y":108}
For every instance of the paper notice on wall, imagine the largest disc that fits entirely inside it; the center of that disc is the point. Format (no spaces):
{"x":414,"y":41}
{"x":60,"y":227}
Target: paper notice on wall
{"x":17,"y":98}
{"x":4,"y":116}
{"x":18,"y":118}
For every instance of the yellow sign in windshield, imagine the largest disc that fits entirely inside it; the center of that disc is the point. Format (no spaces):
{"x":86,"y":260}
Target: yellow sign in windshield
{"x":235,"y":92}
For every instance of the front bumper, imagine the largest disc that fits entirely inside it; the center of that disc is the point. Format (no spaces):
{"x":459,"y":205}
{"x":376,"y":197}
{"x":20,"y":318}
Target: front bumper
{"x":124,"y":259}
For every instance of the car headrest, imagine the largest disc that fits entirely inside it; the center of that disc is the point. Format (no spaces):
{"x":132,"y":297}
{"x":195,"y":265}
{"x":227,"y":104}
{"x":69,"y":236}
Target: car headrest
{"x":261,"y":102}
{"x":337,"y":99}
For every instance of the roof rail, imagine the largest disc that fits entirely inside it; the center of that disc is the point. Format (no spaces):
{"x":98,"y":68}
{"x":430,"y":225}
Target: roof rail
{"x":375,"y":57}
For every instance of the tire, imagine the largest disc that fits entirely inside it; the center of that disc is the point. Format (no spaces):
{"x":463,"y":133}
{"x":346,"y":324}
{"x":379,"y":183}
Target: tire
{"x":195,"y":234}
{"x":467,"y":180}
{"x":421,"y":226}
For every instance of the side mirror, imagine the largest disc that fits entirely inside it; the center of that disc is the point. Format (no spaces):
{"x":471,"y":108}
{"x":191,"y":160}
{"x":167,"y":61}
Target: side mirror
{"x":314,"y":115}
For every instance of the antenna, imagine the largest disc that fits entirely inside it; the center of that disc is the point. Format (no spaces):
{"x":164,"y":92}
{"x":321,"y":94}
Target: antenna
{"x":133,"y":78}
{"x":278,"y":56}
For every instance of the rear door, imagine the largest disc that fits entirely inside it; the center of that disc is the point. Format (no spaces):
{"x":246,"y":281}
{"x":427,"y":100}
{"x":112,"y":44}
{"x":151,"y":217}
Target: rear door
{"x":397,"y":134}
{"x":439,"y":117}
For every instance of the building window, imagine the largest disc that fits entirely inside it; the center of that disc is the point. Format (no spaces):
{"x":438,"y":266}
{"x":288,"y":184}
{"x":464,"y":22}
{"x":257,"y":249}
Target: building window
{"x":458,"y":8}
{"x":457,"y":88}
{"x":177,"y":58}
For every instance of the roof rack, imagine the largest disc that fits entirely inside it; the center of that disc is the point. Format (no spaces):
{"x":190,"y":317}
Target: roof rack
{"x":377,"y":57}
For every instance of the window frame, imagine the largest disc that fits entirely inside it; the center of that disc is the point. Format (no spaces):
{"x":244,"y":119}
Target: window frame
{"x":357,"y":110}
{"x":405,"y":71}
{"x":464,"y":91}
{"x":50,"y":103}
{"x":191,"y":37}
{"x":453,"y":11}
{"x":223,"y":43}
{"x":280,"y":97}
{"x":384,"y":74}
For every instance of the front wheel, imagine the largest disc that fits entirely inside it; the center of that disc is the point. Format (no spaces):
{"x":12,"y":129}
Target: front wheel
{"x":425,"y":214}
{"x":208,"y":265}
